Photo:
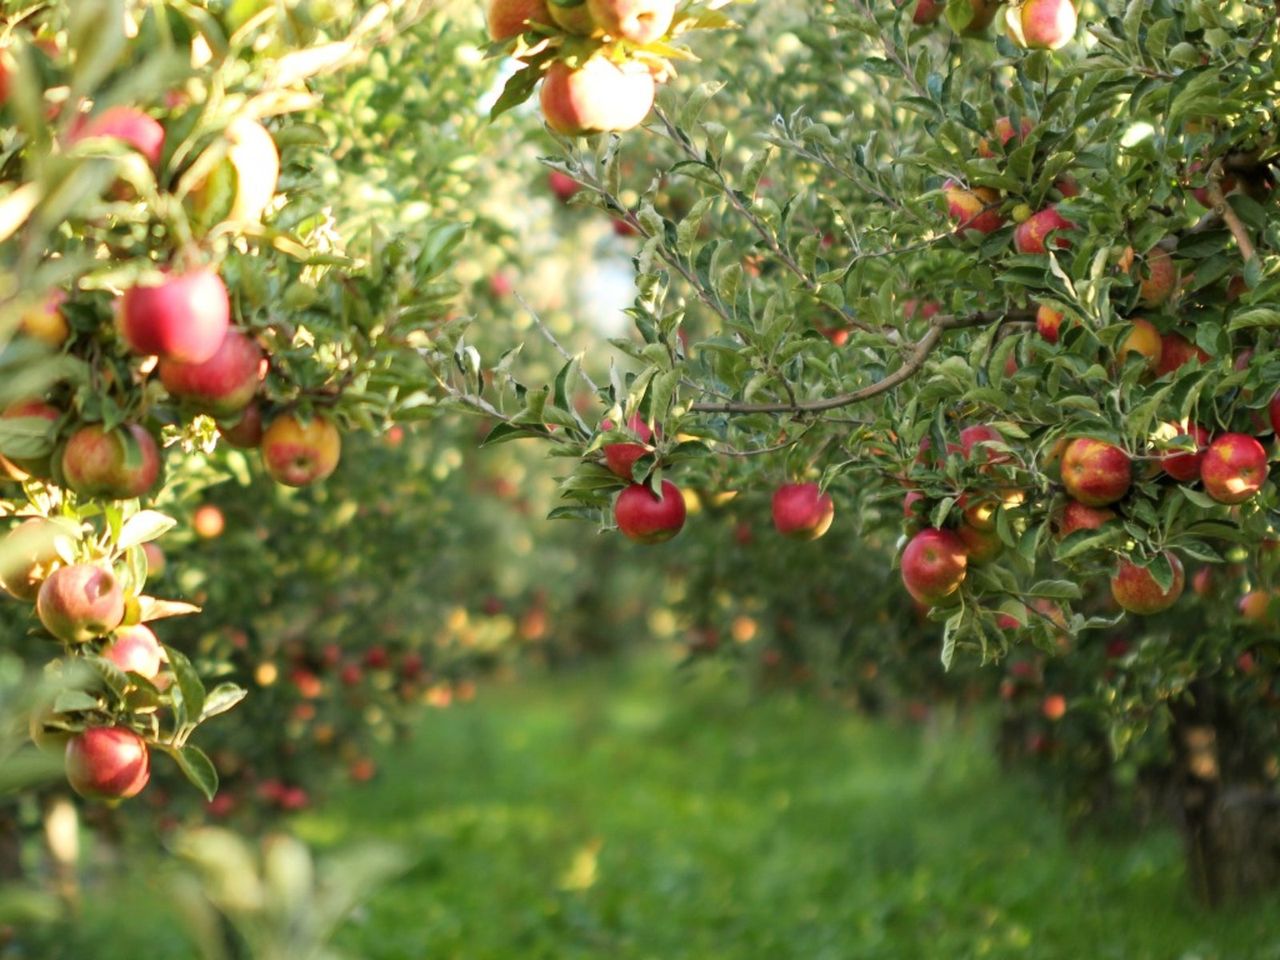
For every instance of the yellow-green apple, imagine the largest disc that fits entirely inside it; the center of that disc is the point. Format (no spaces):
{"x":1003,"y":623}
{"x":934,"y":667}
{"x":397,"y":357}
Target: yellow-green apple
{"x":981,"y":546}
{"x":510,"y":18}
{"x":621,"y":457}
{"x":36,"y":420}
{"x":1180,"y":463}
{"x":1234,"y":468}
{"x":645,"y":517}
{"x":28,"y":554}
{"x":1004,"y":131}
{"x":183,"y":317}
{"x":598,"y":97}
{"x":977,"y":209}
{"x":108,"y":763}
{"x":129,"y":125}
{"x":1136,"y":590}
{"x":1041,"y":24}
{"x":1048,"y":323}
{"x":1144,"y":340}
{"x":1157,"y":277}
{"x":244,"y":183}
{"x":246,"y":432}
{"x":572,"y":16}
{"x":802,"y":511}
{"x":208,"y":522}
{"x":1095,"y":472}
{"x":224,"y":384}
{"x":639,"y":21}
{"x":1258,"y":607}
{"x":1175,"y":350}
{"x":117,"y":464}
{"x":297,"y":453}
{"x":80,"y":602}
{"x":45,"y":321}
{"x":1030,"y":235}
{"x":1078,"y":516}
{"x":135,"y":649}
{"x":934,"y":565}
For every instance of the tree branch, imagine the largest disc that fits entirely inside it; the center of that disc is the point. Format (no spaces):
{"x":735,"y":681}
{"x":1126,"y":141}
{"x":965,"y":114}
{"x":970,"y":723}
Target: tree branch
{"x":1229,"y":216}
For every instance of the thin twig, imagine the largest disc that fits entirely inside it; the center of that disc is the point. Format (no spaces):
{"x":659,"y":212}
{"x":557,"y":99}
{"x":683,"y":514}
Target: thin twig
{"x":551,"y":338}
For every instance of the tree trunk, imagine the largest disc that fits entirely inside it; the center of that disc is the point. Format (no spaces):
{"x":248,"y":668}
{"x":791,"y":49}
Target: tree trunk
{"x":1229,"y":807}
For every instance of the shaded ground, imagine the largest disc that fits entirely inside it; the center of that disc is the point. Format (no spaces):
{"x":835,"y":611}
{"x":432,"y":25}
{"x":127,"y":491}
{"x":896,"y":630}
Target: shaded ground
{"x":631,"y":814}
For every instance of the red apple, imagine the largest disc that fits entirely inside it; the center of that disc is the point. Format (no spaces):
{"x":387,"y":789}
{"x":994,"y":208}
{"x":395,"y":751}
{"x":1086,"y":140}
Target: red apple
{"x":1185,"y":467}
{"x":1095,"y":472}
{"x":598,"y":97}
{"x":126,"y":124}
{"x":28,"y":554}
{"x":1042,"y":24}
{"x":562,"y":185}
{"x":974,"y":442}
{"x":296,"y":453}
{"x":981,"y":546}
{"x":977,"y":209}
{"x":108,"y":763}
{"x":621,"y":457}
{"x":1157,"y":278}
{"x":801,"y":511}
{"x":245,"y":433}
{"x":184,"y":317}
{"x":1054,"y":707}
{"x":934,"y":565}
{"x":646,"y":518}
{"x":1257,"y":607}
{"x":1202,"y":582}
{"x":1031,"y":234}
{"x":1176,"y":350}
{"x":80,"y":602}
{"x":39,"y":418}
{"x":224,"y":384}
{"x":1048,"y":323}
{"x":639,"y":21}
{"x":1144,"y":340}
{"x":1234,"y":468}
{"x":510,"y":18}
{"x":1078,"y":516}
{"x":111,"y":465}
{"x":135,"y":649}
{"x":208,"y":522}
{"x":1136,"y":590}
{"x":1004,"y":131}
{"x":927,"y":11}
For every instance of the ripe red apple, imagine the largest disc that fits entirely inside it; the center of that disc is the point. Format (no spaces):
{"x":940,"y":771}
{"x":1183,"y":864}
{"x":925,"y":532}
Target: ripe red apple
{"x":1176,"y":350}
{"x":1042,"y":24}
{"x":155,"y":559}
{"x":621,"y":457}
{"x":599,"y":97}
{"x":1048,"y":323}
{"x":224,"y":384}
{"x":562,"y":185}
{"x":184,"y":317}
{"x":136,"y":649}
{"x":1157,"y":278}
{"x":108,"y":763}
{"x":927,"y":309}
{"x":977,"y":209}
{"x":252,"y":165}
{"x":1234,"y":468}
{"x":1095,"y":472}
{"x":1054,"y":707}
{"x":981,"y":546}
{"x":80,"y":602}
{"x":639,"y":21}
{"x":1136,"y":590}
{"x":40,"y":417}
{"x":1144,"y":340}
{"x":1078,"y":516}
{"x":1031,"y":234}
{"x":45,"y":321}
{"x":111,"y":465}
{"x":973,"y":445}
{"x":296,"y":453}
{"x":1202,"y":582}
{"x":510,"y":18}
{"x":646,"y":518}
{"x":1005,"y":131}
{"x":1185,"y":466}
{"x":927,"y":11}
{"x":208,"y":522}
{"x":126,"y":124}
{"x":801,"y":511}
{"x":934,"y":565}
{"x":28,"y":555}
{"x":245,"y":433}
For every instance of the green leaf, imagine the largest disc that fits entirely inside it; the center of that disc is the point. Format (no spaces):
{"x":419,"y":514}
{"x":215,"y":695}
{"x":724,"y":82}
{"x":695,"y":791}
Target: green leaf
{"x":197,"y":768}
{"x":143,"y":527}
{"x":189,"y":684}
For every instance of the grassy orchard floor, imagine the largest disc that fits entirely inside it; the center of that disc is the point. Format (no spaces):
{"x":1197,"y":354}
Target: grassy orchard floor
{"x":628,"y":812}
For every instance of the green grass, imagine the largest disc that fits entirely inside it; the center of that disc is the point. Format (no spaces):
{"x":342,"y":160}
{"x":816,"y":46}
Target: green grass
{"x":629,"y":814}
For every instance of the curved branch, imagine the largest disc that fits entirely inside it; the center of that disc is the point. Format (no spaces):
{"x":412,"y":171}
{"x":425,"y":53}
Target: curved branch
{"x":1219,"y":205}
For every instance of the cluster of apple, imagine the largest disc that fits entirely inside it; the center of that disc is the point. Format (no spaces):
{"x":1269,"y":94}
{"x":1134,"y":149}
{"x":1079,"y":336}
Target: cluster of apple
{"x":599,"y":61}
{"x":1031,"y":24}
